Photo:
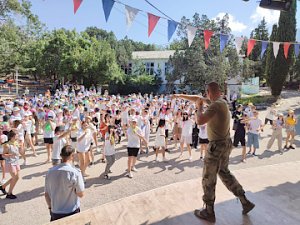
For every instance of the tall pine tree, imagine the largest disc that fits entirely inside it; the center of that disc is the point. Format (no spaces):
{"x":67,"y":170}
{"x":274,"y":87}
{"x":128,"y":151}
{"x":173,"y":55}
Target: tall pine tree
{"x":270,"y":60}
{"x":286,"y":33}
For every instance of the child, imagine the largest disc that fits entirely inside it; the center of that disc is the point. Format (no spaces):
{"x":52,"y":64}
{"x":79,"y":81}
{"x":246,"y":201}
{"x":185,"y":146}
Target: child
{"x":3,"y":139}
{"x":160,"y":139}
{"x":203,"y":140}
{"x":255,"y":125}
{"x":109,"y":149}
{"x":58,"y":143}
{"x":186,"y":134}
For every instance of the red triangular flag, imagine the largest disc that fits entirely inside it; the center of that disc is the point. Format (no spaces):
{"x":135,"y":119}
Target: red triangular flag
{"x":152,"y":21}
{"x":207,"y":36}
{"x":286,"y":46}
{"x":251,"y":43}
{"x":76,"y":5}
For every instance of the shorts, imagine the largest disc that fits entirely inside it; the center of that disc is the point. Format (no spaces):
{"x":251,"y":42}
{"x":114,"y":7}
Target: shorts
{"x":56,"y":161}
{"x":1,"y":157}
{"x":290,"y":128}
{"x":186,"y":139}
{"x":238,"y":140}
{"x":253,"y":140}
{"x":12,"y":168}
{"x":32,"y":135}
{"x":48,"y":141}
{"x":133,"y":151}
{"x":203,"y":141}
{"x":268,"y":120}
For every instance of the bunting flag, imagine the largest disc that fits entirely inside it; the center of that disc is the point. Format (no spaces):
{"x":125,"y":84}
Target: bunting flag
{"x":107,"y":6}
{"x":297,"y":49}
{"x":152,"y":21}
{"x":238,"y":43}
{"x":130,"y":14}
{"x":172,"y":25}
{"x":76,"y":4}
{"x":191,"y":33}
{"x":276,"y":48}
{"x":286,"y":46}
{"x":251,"y":43}
{"x":207,"y":36}
{"x":223,"y":41}
{"x":264,"y":46}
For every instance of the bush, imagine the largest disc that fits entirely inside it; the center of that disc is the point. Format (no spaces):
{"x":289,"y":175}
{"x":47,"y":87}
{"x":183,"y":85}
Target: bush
{"x":257,"y":100}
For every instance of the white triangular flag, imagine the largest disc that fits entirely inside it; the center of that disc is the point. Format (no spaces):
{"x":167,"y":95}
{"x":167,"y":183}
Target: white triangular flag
{"x":191,"y":33}
{"x":238,"y":43}
{"x":130,"y":15}
{"x":276,"y":48}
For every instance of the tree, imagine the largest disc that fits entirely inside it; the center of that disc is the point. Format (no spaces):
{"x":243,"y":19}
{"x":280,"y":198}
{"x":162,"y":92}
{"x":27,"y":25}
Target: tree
{"x":286,"y":33}
{"x":269,"y":70}
{"x":198,"y":66}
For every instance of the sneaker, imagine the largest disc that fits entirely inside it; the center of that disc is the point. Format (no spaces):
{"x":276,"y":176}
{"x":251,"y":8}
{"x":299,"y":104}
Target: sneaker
{"x":285,"y":147}
{"x":205,"y":215}
{"x":165,"y":159}
{"x":249,"y":153}
{"x":167,"y":150}
{"x":11,"y":196}
{"x":3,"y":190}
{"x":109,"y":171}
{"x":106,"y":177}
{"x":201,"y":158}
{"x":156,"y":160}
{"x":243,"y":160}
{"x":254,"y":154}
{"x":247,"y":207}
{"x":292,"y":147}
{"x":134,"y":169}
{"x":190,"y":158}
{"x":24,"y":163}
{"x":129,"y":175}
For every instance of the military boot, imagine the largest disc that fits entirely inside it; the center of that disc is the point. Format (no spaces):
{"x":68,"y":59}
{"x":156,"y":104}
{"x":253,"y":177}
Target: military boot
{"x":247,"y":205}
{"x":207,"y":213}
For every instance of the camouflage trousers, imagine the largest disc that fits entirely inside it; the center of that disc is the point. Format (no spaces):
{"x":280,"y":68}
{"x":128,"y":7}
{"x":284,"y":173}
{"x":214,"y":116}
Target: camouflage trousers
{"x":216,"y":162}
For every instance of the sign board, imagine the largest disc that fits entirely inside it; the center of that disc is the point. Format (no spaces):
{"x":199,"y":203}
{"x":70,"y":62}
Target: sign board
{"x":251,"y":86}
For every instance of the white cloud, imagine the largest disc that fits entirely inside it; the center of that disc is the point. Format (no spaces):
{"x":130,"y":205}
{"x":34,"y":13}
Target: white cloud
{"x":235,"y":25}
{"x":271,"y":16}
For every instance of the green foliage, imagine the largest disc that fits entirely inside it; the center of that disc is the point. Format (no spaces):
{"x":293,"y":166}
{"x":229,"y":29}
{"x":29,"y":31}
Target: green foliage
{"x":286,"y":33}
{"x":257,"y":99}
{"x":196,"y":66}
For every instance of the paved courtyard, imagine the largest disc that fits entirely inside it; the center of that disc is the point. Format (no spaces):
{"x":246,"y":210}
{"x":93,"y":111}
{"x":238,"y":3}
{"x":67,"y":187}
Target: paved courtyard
{"x":30,"y":207}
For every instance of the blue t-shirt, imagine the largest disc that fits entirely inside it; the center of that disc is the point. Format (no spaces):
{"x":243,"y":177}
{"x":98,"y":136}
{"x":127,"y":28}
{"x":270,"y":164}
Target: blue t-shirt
{"x":62,"y":182}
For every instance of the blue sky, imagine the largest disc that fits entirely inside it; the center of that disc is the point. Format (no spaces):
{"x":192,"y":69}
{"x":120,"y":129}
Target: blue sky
{"x":244,"y":16}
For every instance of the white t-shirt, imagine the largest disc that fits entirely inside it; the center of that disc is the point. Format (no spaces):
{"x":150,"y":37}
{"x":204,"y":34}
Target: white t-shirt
{"x":85,"y":143}
{"x":271,"y":114}
{"x":28,"y":126}
{"x":109,"y":149}
{"x":168,"y":119}
{"x":254,"y":125}
{"x":58,"y":144}
{"x":187,"y":127}
{"x":203,"y":131}
{"x":20,"y":132}
{"x":3,"y":140}
{"x":48,"y":132}
{"x":133,"y":138}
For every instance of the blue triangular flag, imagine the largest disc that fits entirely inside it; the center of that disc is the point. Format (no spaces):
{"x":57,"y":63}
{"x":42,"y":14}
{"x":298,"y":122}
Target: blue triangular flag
{"x":107,"y":6}
{"x":297,"y":48}
{"x":172,"y":25}
{"x":264,"y":46}
{"x":223,"y":41}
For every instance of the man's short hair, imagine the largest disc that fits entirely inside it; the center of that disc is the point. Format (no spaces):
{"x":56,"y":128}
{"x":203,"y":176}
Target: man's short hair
{"x":213,"y":87}
{"x":67,"y":151}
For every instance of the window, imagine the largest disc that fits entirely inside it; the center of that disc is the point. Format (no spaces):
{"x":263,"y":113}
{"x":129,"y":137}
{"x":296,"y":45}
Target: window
{"x":127,"y":68}
{"x":149,"y":68}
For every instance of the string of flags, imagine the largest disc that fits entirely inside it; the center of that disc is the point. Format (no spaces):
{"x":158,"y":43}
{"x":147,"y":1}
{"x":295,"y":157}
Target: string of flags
{"x":131,"y":13}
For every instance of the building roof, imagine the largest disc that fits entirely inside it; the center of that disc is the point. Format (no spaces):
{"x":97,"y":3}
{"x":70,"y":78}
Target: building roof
{"x":153,"y":54}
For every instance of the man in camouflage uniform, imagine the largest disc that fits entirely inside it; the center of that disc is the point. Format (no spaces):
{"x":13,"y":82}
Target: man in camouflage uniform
{"x":217,"y":117}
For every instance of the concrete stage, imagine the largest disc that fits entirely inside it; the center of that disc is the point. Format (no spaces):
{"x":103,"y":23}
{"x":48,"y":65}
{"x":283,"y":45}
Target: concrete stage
{"x":275,"y":189}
